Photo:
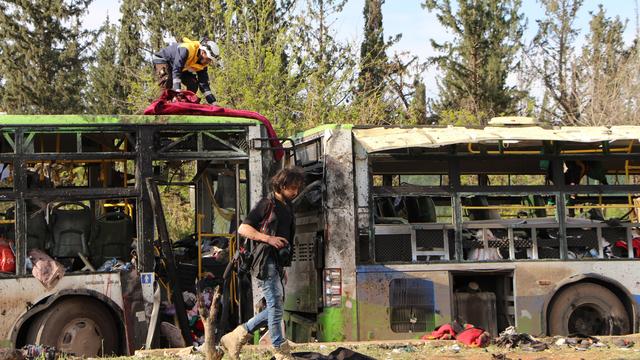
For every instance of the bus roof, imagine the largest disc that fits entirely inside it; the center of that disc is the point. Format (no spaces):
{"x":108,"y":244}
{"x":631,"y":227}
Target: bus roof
{"x":319,"y":129}
{"x":80,"y":120}
{"x":390,"y":138}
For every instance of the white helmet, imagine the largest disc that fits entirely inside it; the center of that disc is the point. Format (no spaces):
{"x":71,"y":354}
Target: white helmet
{"x":210,"y":48}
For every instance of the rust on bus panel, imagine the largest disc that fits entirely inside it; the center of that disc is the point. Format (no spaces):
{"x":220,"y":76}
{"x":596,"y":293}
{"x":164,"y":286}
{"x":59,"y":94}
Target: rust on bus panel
{"x":539,"y":281}
{"x":13,"y":302}
{"x":384,"y":291}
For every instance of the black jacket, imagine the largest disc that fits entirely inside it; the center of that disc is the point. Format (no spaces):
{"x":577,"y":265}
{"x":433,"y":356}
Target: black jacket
{"x":268,"y":224}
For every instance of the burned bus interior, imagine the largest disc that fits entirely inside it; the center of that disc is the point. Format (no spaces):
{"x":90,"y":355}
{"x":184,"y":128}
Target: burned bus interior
{"x":508,"y":204}
{"x":498,"y":201}
{"x":82,"y":193}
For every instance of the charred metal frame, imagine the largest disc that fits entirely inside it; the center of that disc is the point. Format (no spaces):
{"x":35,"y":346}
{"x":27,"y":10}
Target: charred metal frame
{"x":143,"y":150}
{"x":406,"y":161}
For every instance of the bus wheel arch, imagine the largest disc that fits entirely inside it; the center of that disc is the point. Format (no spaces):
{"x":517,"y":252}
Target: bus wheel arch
{"x":568,"y":307}
{"x":110,"y":314}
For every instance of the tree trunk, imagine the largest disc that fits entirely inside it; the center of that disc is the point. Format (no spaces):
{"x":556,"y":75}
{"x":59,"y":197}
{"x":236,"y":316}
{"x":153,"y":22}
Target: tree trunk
{"x":208,"y":319}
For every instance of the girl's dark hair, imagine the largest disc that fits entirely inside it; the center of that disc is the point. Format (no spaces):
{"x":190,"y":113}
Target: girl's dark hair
{"x":288,"y":177}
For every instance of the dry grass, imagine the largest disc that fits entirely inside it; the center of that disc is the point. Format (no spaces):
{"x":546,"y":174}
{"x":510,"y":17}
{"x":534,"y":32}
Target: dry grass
{"x":414,"y":350}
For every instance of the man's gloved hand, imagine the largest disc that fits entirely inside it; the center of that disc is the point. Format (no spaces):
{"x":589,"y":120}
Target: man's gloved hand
{"x":210,"y":99}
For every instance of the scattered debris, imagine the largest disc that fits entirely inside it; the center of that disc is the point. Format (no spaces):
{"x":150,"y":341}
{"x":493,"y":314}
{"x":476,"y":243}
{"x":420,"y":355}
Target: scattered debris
{"x":535,"y":347}
{"x":580,"y":342}
{"x":40,"y":352}
{"x":623,"y":343}
{"x":455,"y":348}
{"x":510,"y":339}
{"x":499,"y":357}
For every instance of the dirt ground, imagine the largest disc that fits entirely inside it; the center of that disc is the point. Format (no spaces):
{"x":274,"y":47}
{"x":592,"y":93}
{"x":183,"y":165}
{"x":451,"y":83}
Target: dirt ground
{"x":415,"y":349}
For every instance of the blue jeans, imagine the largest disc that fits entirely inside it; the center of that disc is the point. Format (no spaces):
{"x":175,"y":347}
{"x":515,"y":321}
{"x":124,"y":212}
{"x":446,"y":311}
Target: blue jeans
{"x":271,"y":316}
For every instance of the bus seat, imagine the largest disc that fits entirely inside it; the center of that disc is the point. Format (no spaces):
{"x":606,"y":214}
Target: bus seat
{"x":538,"y":200}
{"x":386,"y":212}
{"x":420,"y":209}
{"x":71,"y":229}
{"x":385,"y":207}
{"x":482,"y":214}
{"x":111,"y":237}
{"x":38,"y":235}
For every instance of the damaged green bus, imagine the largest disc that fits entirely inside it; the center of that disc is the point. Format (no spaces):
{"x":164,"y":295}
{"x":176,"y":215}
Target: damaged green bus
{"x":81,"y":261}
{"x":404,"y":229}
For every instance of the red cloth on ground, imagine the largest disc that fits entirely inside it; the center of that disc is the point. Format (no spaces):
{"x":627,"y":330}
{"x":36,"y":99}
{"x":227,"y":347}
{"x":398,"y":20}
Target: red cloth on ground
{"x":444,"y":332}
{"x":470,"y":336}
{"x":473,"y":336}
{"x":187,"y":103}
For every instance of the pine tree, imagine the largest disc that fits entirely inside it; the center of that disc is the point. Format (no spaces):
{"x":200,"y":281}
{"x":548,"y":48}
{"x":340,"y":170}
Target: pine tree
{"x":553,"y":59}
{"x":605,"y":67}
{"x":381,"y":94}
{"x":155,"y":17}
{"x":418,"y":106}
{"x":105,"y":95}
{"x":326,"y":65}
{"x":195,"y":19}
{"x":255,"y":72}
{"x":373,"y":57}
{"x":131,"y":64}
{"x":478,"y":60}
{"x":130,"y":44}
{"x":44,"y":56}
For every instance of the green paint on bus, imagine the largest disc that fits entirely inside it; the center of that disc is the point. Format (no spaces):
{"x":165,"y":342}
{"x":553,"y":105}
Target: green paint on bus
{"x":76,"y":120}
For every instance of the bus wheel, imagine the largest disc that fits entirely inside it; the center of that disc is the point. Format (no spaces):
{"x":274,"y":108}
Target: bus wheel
{"x":79,"y":326}
{"x":588,"y":309}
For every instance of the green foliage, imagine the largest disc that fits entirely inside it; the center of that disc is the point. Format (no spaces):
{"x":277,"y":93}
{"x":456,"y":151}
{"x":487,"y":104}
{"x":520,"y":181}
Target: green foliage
{"x":478,"y":60}
{"x":457,"y":117}
{"x":130,"y":35}
{"x":554,"y":61}
{"x":154,"y":19}
{"x":606,"y":67}
{"x":595,"y":85}
{"x":105,"y":91}
{"x":605,"y":44}
{"x":43,"y":56}
{"x":143,"y":89}
{"x":418,"y":107}
{"x":178,"y":210}
{"x":255,"y":72}
{"x":373,"y":57}
{"x":325,"y":66}
{"x":130,"y":50}
{"x":382,"y":93}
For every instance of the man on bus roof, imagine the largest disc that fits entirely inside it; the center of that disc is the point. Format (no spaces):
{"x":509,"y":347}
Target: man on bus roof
{"x":186,"y":63}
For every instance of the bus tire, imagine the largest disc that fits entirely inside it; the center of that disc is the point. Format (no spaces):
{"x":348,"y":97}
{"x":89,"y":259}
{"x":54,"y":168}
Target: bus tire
{"x":589,"y":309}
{"x":80,"y":326}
